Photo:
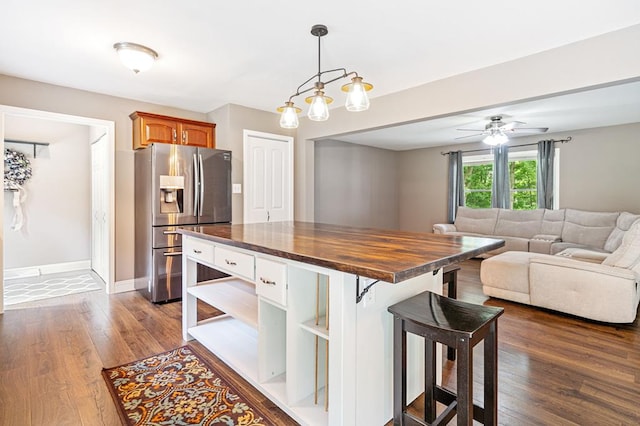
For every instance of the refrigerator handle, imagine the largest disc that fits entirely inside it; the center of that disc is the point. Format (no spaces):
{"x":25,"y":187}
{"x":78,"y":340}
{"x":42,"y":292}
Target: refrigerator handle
{"x":201,"y":185}
{"x":196,"y":183}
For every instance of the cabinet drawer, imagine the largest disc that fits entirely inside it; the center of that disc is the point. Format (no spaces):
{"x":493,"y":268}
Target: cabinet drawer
{"x":199,"y":251}
{"x":234,"y":262}
{"x":271,"y":280}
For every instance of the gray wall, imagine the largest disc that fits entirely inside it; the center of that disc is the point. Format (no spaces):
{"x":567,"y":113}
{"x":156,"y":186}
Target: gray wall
{"x":57,"y":209}
{"x":356,"y":185}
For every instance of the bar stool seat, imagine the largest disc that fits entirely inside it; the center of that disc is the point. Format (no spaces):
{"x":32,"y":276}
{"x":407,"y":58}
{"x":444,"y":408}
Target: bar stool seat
{"x":459,"y":325}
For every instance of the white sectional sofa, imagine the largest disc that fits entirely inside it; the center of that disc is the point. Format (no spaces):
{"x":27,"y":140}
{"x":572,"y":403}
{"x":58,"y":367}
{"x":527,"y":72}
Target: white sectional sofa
{"x":582,"y":263}
{"x":570,"y":232}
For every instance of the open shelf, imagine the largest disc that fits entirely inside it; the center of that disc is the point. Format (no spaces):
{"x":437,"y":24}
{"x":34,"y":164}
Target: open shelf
{"x":233,"y":296}
{"x":233,"y":341}
{"x":319,"y":330}
{"x":311,"y":413}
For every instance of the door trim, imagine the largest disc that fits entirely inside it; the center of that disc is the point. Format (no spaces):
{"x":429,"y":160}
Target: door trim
{"x":109,"y":128}
{"x":246,"y":134}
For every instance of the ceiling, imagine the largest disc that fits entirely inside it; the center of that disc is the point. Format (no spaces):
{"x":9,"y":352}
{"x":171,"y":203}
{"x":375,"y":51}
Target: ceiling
{"x":255,"y":53}
{"x":607,"y":106}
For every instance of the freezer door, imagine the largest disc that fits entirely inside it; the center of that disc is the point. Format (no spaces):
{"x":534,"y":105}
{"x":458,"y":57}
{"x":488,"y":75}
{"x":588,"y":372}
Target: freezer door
{"x":172,"y":184}
{"x":215,"y":190}
{"x":166,"y":283}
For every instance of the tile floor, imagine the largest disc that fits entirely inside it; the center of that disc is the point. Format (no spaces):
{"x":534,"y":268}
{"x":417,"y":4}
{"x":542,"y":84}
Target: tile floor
{"x":29,"y":289}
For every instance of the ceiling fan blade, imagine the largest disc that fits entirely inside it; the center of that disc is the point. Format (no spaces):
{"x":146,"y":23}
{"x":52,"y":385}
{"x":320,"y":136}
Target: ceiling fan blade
{"x":511,"y":125}
{"x":469,"y":136}
{"x":530,"y":129}
{"x":472,"y":130}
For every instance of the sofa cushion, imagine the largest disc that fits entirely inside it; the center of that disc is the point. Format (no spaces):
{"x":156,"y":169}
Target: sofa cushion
{"x":552,"y":222}
{"x":479,"y":221}
{"x":588,"y":228}
{"x":624,"y":222}
{"x":509,"y":271}
{"x":519,"y":223}
{"x":628,"y":254}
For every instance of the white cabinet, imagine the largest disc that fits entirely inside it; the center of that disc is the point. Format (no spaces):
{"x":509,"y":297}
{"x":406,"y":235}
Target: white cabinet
{"x":294,"y":331}
{"x":235,"y":262}
{"x":271,"y":280}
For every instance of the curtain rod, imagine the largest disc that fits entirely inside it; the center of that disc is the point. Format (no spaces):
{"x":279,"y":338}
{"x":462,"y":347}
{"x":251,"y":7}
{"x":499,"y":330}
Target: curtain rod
{"x":514,"y":146}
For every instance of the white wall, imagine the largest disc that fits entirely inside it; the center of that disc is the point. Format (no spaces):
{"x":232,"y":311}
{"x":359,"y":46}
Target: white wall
{"x":356,"y":185}
{"x":57,"y":209}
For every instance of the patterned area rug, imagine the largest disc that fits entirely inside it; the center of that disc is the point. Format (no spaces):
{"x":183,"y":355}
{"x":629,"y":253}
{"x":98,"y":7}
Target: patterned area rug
{"x":177,"y":388}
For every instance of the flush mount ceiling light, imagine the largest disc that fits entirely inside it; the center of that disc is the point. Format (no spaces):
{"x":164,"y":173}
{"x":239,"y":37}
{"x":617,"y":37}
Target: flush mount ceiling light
{"x":135,"y":56}
{"x":357,"y":99}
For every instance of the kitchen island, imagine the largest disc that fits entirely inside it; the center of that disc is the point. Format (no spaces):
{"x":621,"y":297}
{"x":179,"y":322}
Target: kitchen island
{"x":306,"y":309}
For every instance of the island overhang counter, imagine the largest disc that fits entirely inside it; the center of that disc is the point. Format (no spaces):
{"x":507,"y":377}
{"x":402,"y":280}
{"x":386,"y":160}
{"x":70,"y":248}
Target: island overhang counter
{"x":305,"y":303}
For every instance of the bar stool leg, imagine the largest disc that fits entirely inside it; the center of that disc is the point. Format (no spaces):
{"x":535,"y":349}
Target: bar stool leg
{"x":429,"y":380}
{"x":465,"y":384}
{"x":399,"y":371}
{"x":491,"y":376}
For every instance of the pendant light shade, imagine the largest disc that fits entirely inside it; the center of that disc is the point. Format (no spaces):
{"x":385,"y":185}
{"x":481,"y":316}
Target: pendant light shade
{"x":136,"y":57}
{"x":319,"y":108}
{"x":289,"y":116}
{"x":357,"y":99}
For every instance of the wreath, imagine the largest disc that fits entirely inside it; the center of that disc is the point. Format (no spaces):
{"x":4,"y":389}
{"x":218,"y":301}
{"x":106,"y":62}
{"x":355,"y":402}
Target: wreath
{"x":17,"y":169}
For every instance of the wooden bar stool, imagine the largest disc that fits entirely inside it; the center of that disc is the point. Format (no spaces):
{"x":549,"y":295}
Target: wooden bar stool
{"x":457,"y":324}
{"x":450,"y":278}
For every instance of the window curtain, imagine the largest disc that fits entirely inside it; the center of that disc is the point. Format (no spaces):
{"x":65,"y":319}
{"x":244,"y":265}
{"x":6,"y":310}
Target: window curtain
{"x":501,"y":190}
{"x":456,"y":185}
{"x":546,"y":153}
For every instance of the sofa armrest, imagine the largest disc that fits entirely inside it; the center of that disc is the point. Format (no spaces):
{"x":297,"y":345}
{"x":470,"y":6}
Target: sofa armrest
{"x":541,"y":243}
{"x":443,"y":228}
{"x":583,"y":255}
{"x":596,"y":268}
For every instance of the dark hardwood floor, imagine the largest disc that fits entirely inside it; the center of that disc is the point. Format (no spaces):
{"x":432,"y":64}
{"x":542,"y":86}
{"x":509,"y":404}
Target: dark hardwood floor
{"x":554,"y":369}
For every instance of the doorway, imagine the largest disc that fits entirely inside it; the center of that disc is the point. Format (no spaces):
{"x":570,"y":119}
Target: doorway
{"x":100,"y":142}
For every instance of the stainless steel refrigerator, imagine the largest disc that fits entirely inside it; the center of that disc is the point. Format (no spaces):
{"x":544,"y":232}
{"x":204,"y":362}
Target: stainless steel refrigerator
{"x":175,"y":186}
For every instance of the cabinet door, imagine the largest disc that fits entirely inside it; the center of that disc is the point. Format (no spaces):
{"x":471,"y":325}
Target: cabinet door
{"x":199,"y":135}
{"x":158,"y":130}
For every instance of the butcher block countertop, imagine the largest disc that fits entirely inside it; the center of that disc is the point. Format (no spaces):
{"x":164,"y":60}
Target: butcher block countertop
{"x":386,"y":255}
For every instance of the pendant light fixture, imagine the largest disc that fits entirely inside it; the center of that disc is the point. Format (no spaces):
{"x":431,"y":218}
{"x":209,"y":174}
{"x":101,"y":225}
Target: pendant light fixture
{"x":134,"y":56}
{"x":357,"y":99}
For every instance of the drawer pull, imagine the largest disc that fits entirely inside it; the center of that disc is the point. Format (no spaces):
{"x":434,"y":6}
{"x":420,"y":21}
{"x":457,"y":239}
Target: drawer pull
{"x":266,"y":281}
{"x":230,"y":262}
{"x":173,"y":253}
{"x":197,"y":251}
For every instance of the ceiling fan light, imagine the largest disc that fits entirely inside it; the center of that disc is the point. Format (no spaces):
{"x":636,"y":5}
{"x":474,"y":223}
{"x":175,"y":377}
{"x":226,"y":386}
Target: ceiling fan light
{"x":134,"y":56}
{"x":495,"y":139}
{"x":289,"y":116}
{"x":357,"y":99}
{"x":319,"y":108}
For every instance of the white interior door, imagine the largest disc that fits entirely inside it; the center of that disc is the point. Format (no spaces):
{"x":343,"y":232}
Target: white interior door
{"x":268,"y":177}
{"x":99,"y":208}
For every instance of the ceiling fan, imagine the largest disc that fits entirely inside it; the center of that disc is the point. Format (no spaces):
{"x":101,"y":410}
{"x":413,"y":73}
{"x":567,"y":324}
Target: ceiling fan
{"x":496,"y":130}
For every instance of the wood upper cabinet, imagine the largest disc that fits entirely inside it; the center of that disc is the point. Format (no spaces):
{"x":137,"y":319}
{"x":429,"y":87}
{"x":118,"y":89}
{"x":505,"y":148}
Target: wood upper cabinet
{"x":153,"y":128}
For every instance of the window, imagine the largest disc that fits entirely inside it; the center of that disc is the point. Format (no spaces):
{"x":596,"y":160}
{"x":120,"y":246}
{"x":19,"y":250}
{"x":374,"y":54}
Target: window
{"x":478,"y":178}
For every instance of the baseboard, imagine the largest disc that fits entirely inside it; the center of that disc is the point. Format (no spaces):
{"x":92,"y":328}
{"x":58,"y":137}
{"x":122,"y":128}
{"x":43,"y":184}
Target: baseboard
{"x":53,"y":268}
{"x":124,"y":286}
